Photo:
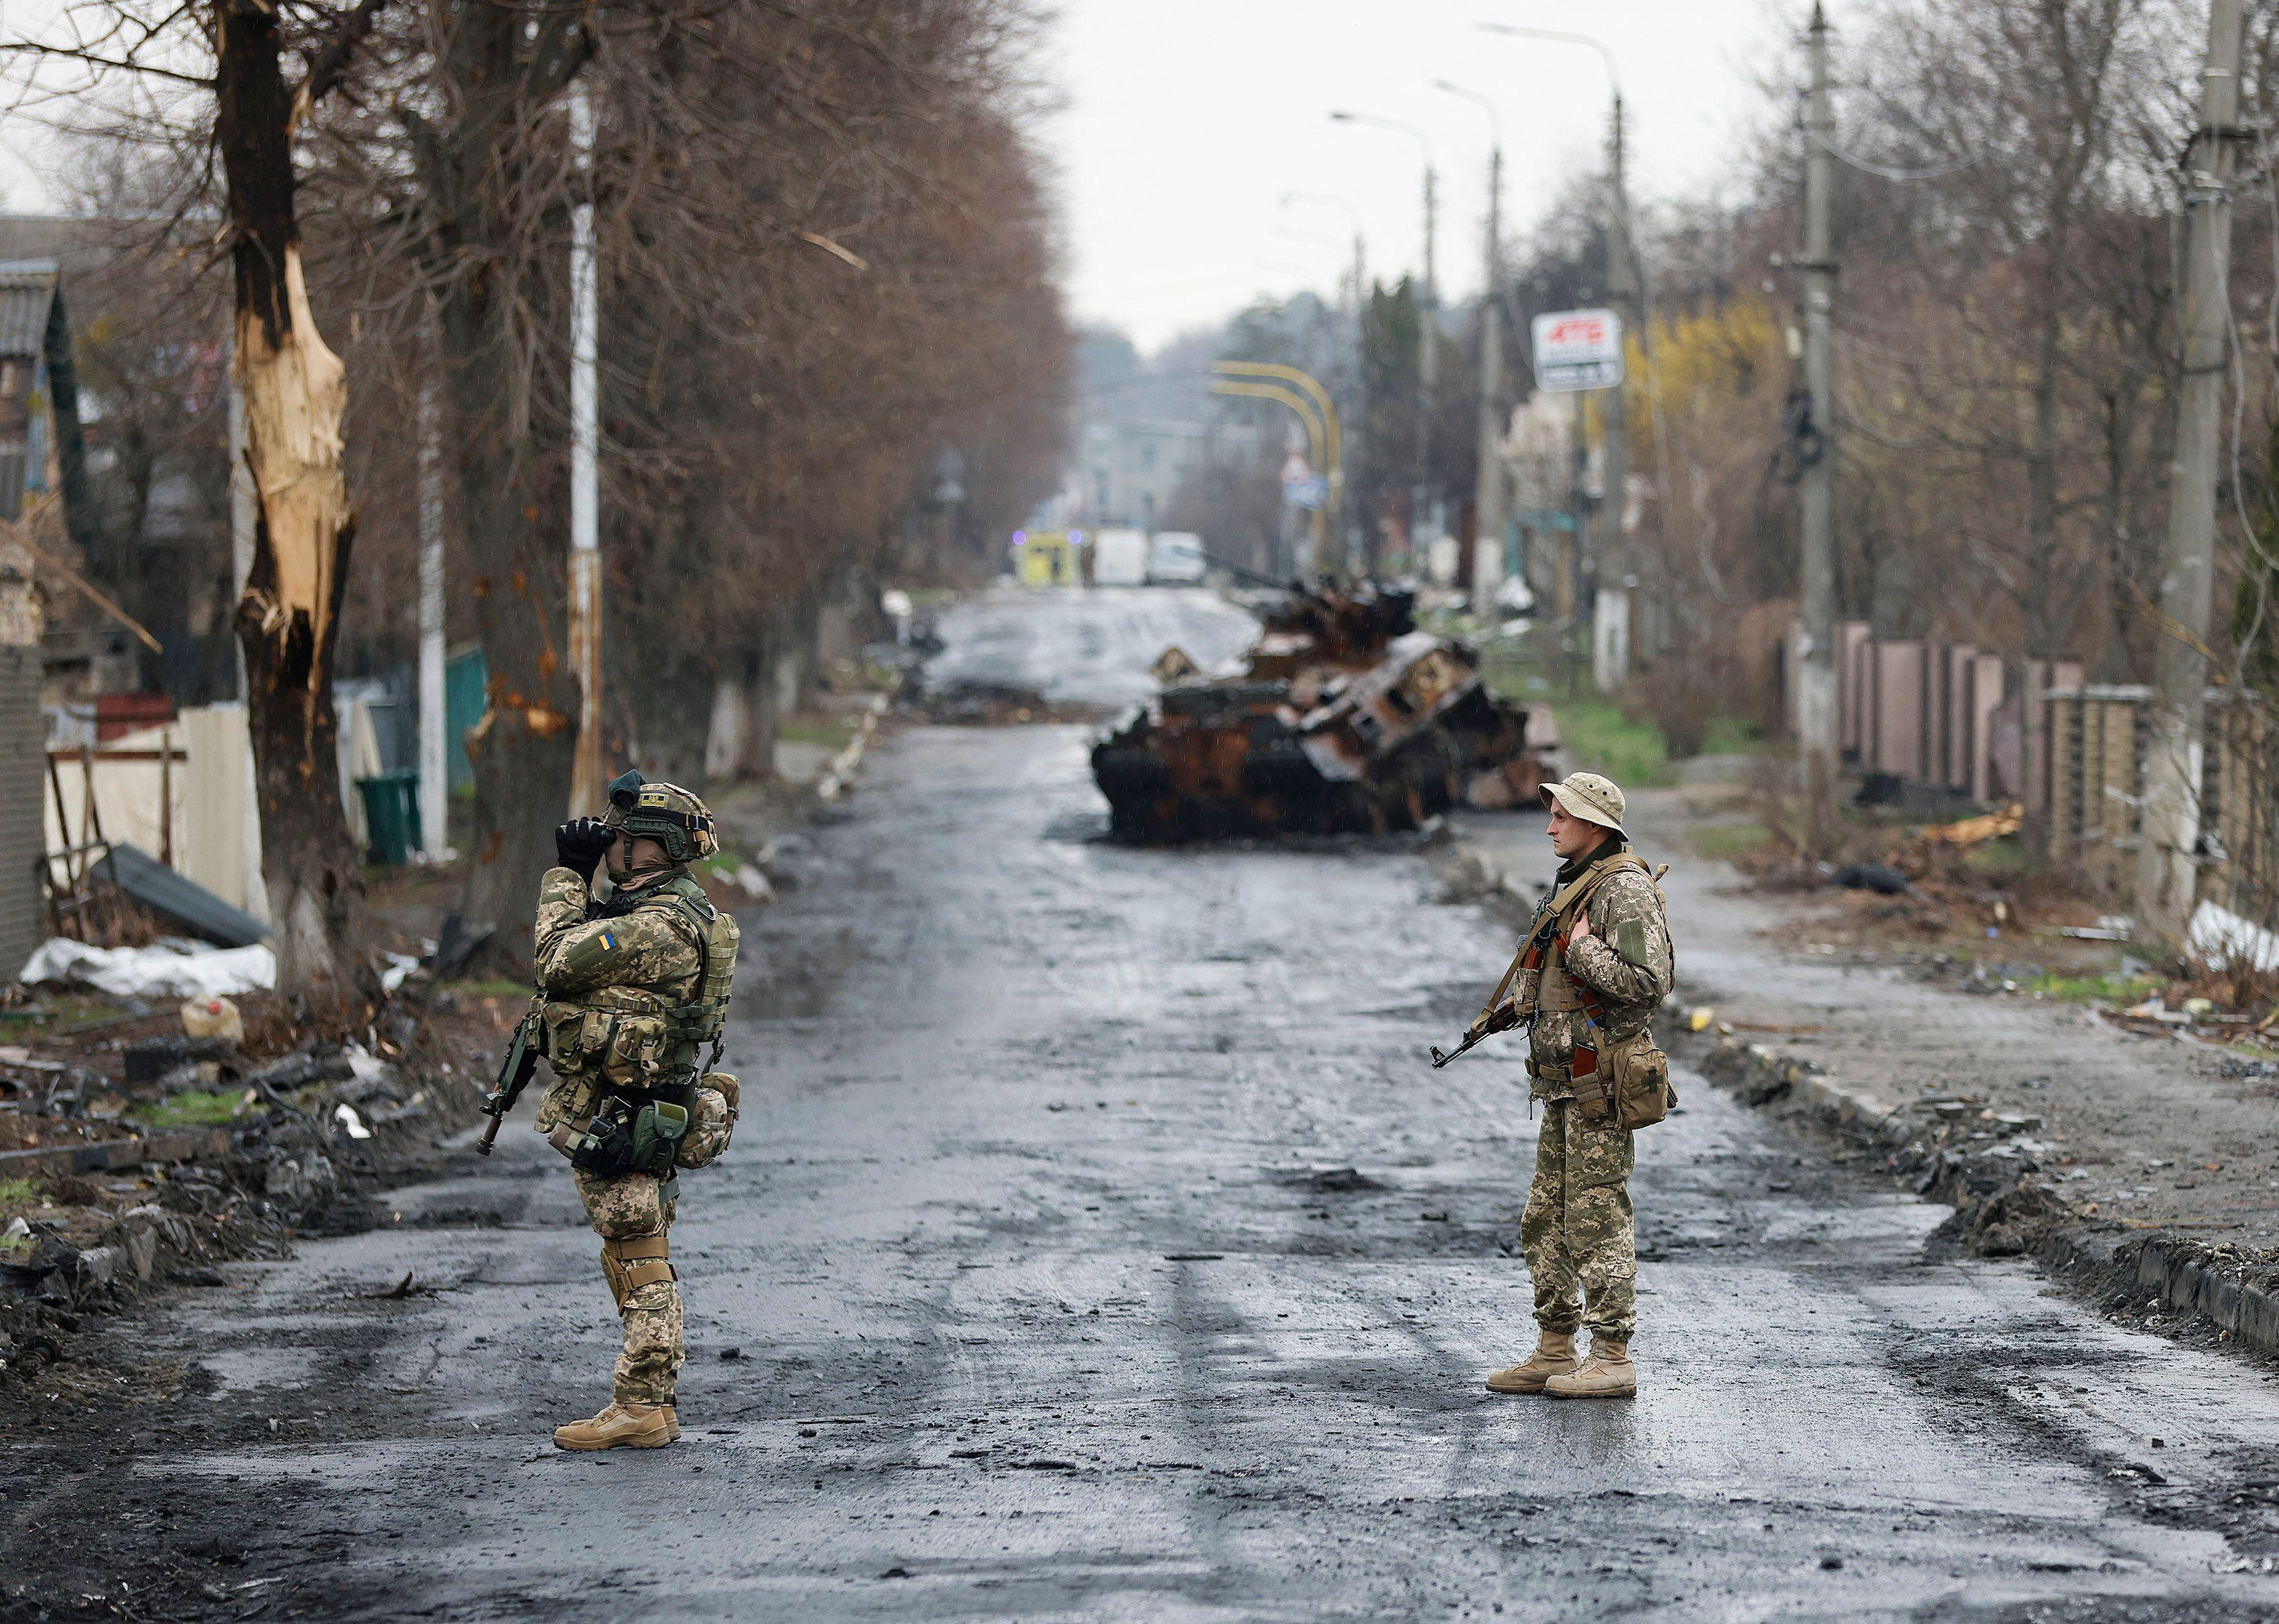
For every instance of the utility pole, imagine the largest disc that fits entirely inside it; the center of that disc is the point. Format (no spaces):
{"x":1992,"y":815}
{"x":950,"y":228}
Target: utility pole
{"x":1621,"y":293}
{"x":434,"y":697}
{"x":1488,"y":498}
{"x":585,"y":631}
{"x":1816,"y":699}
{"x":1428,"y":360}
{"x":2167,"y":867}
{"x":1341,"y":557}
{"x":1488,"y":485}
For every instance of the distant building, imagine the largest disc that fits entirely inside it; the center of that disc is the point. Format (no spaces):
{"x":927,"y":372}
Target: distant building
{"x":1128,"y":472}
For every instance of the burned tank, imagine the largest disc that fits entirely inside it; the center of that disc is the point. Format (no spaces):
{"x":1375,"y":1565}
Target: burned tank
{"x":1342,"y":715}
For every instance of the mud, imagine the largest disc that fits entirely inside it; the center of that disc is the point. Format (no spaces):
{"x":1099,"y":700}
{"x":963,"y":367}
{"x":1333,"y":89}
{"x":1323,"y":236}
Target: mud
{"x":1097,"y":1244}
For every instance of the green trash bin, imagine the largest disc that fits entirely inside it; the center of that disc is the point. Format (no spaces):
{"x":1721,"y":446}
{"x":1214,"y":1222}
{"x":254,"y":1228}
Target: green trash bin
{"x":391,"y":816}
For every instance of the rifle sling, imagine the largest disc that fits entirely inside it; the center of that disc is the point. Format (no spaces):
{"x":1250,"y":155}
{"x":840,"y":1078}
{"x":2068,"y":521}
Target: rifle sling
{"x":1552,"y":912}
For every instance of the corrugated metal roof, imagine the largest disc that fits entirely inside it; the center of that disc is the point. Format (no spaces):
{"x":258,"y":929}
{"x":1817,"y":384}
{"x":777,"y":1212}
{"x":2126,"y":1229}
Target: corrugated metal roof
{"x":27,"y":288}
{"x":174,"y":897}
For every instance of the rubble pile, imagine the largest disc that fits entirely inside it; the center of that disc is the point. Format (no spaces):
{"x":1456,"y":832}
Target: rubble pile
{"x":1988,"y":1163}
{"x":133,"y":1153}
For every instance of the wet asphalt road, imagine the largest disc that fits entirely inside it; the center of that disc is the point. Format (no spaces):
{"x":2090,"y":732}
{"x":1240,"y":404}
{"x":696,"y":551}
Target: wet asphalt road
{"x":1022,"y":1294}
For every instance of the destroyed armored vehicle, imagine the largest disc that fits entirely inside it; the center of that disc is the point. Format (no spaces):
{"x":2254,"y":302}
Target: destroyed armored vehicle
{"x":1342,"y":715}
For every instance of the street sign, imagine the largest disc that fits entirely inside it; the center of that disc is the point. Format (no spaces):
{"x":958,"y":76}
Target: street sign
{"x":1578,"y":350}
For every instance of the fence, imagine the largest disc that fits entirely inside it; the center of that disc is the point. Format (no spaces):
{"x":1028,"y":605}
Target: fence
{"x":2100,"y":734}
{"x":183,"y":793}
{"x":1944,"y":720}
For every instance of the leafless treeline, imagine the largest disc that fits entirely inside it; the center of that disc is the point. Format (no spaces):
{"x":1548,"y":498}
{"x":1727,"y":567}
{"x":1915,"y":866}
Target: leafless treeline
{"x":825,"y":256}
{"x":2009,"y":222}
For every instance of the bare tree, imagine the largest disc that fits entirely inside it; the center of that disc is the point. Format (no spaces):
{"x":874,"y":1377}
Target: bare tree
{"x":234,"y":52}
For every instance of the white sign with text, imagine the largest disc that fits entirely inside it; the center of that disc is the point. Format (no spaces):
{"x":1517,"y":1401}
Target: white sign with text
{"x":1578,"y":350}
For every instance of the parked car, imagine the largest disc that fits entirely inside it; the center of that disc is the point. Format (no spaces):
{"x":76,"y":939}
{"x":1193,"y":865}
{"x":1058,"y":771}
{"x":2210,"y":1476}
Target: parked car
{"x":1175,"y":559}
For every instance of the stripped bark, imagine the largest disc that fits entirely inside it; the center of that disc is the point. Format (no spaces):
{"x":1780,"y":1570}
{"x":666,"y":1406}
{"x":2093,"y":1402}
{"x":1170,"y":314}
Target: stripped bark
{"x":295,"y":397}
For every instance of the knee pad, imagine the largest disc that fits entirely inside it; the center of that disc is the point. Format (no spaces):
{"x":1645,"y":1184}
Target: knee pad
{"x":630,"y":1265}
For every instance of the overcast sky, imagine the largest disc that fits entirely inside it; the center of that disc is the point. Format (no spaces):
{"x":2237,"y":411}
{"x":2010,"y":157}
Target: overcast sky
{"x":1187,"y":120}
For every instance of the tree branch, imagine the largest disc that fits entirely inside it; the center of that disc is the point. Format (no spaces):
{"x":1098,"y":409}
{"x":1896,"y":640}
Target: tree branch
{"x":329,"y":69}
{"x":563,"y":47}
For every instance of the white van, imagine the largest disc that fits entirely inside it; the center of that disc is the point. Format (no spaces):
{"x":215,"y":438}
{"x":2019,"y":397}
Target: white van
{"x":1119,"y":559}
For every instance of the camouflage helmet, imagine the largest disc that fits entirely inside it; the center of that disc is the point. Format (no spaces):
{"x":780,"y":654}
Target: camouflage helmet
{"x":664,"y":813}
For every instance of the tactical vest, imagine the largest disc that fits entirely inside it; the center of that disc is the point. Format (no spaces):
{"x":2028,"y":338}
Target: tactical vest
{"x":633,"y":1037}
{"x":1553,"y":987}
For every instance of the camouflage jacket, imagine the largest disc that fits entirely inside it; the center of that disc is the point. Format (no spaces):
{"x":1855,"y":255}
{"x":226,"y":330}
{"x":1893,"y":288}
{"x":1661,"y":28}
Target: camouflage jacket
{"x":635,"y":956}
{"x":1626,"y":959}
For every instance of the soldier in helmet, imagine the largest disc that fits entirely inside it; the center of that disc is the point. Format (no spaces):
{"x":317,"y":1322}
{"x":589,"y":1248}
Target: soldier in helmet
{"x":1600,"y":961}
{"x":631,"y":992}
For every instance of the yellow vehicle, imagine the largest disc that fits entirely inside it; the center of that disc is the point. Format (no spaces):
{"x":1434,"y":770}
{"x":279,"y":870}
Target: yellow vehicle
{"x":1044,"y":558}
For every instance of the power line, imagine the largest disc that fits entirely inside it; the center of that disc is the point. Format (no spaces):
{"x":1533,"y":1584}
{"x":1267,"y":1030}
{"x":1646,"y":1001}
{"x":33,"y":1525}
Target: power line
{"x":1883,"y":173}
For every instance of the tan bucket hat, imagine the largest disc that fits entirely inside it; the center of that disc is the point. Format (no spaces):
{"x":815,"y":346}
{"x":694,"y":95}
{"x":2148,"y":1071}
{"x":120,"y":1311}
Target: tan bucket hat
{"x":1590,"y":797}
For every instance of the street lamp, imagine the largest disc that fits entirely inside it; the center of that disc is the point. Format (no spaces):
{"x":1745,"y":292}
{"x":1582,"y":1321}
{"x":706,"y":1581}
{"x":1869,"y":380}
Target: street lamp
{"x":1331,"y":200}
{"x":1428,"y":317}
{"x":1487,"y":490}
{"x":1351,"y":371}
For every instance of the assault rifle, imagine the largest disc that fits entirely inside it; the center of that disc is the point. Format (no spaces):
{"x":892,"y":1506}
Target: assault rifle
{"x":1529,"y":958}
{"x":514,"y":1076}
{"x":1472,"y":1040}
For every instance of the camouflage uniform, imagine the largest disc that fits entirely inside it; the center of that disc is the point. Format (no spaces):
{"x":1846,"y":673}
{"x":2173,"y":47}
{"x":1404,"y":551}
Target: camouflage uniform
{"x":1577,"y":1229}
{"x":655,"y":961}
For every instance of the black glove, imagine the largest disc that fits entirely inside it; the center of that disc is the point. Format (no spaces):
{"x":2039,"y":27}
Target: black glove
{"x":578,"y":845}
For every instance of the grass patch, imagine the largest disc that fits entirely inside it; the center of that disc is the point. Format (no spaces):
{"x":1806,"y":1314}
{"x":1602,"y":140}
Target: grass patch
{"x":1598,"y":738}
{"x":2113,"y":987}
{"x":62,"y":1012}
{"x":832,"y":732}
{"x":1726,"y":843}
{"x":1996,"y":857}
{"x":1732,"y":736}
{"x":16,"y":1195}
{"x":497,"y":988}
{"x":191,"y":1108}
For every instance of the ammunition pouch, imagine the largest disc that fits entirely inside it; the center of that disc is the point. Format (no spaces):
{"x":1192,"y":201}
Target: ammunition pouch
{"x":630,"y":1265}
{"x":1626,"y":1084}
{"x":712,"y":1121}
{"x":625,"y":1136}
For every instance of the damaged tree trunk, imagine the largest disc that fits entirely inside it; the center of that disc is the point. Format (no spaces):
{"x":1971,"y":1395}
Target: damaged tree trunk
{"x":296,"y":396}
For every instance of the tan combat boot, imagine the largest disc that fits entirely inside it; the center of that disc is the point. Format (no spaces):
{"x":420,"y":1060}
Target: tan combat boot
{"x":1554,"y":1356}
{"x":622,"y":1426}
{"x":1608,"y":1374}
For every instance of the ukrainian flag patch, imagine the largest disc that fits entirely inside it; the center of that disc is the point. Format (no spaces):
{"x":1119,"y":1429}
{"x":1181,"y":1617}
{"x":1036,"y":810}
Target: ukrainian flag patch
{"x":608,"y":943}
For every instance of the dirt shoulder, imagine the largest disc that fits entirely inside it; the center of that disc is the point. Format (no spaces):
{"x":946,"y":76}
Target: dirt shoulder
{"x":2054,"y":1130}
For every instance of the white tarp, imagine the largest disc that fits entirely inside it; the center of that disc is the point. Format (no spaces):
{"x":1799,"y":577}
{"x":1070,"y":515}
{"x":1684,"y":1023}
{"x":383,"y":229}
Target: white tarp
{"x":154,"y":971}
{"x":2224,"y":939}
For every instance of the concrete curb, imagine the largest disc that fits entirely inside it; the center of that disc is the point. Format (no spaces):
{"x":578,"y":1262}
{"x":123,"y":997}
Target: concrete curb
{"x":2176,"y":1270}
{"x":839,"y":777}
{"x":2162,"y":1265}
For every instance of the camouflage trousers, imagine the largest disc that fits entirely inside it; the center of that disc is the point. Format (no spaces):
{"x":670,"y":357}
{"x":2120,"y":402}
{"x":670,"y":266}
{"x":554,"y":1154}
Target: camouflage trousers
{"x":625,"y":1208}
{"x":1576,"y":1230}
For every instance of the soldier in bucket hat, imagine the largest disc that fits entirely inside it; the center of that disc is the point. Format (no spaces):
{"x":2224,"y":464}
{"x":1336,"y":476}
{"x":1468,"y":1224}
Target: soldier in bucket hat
{"x":1599,"y":962}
